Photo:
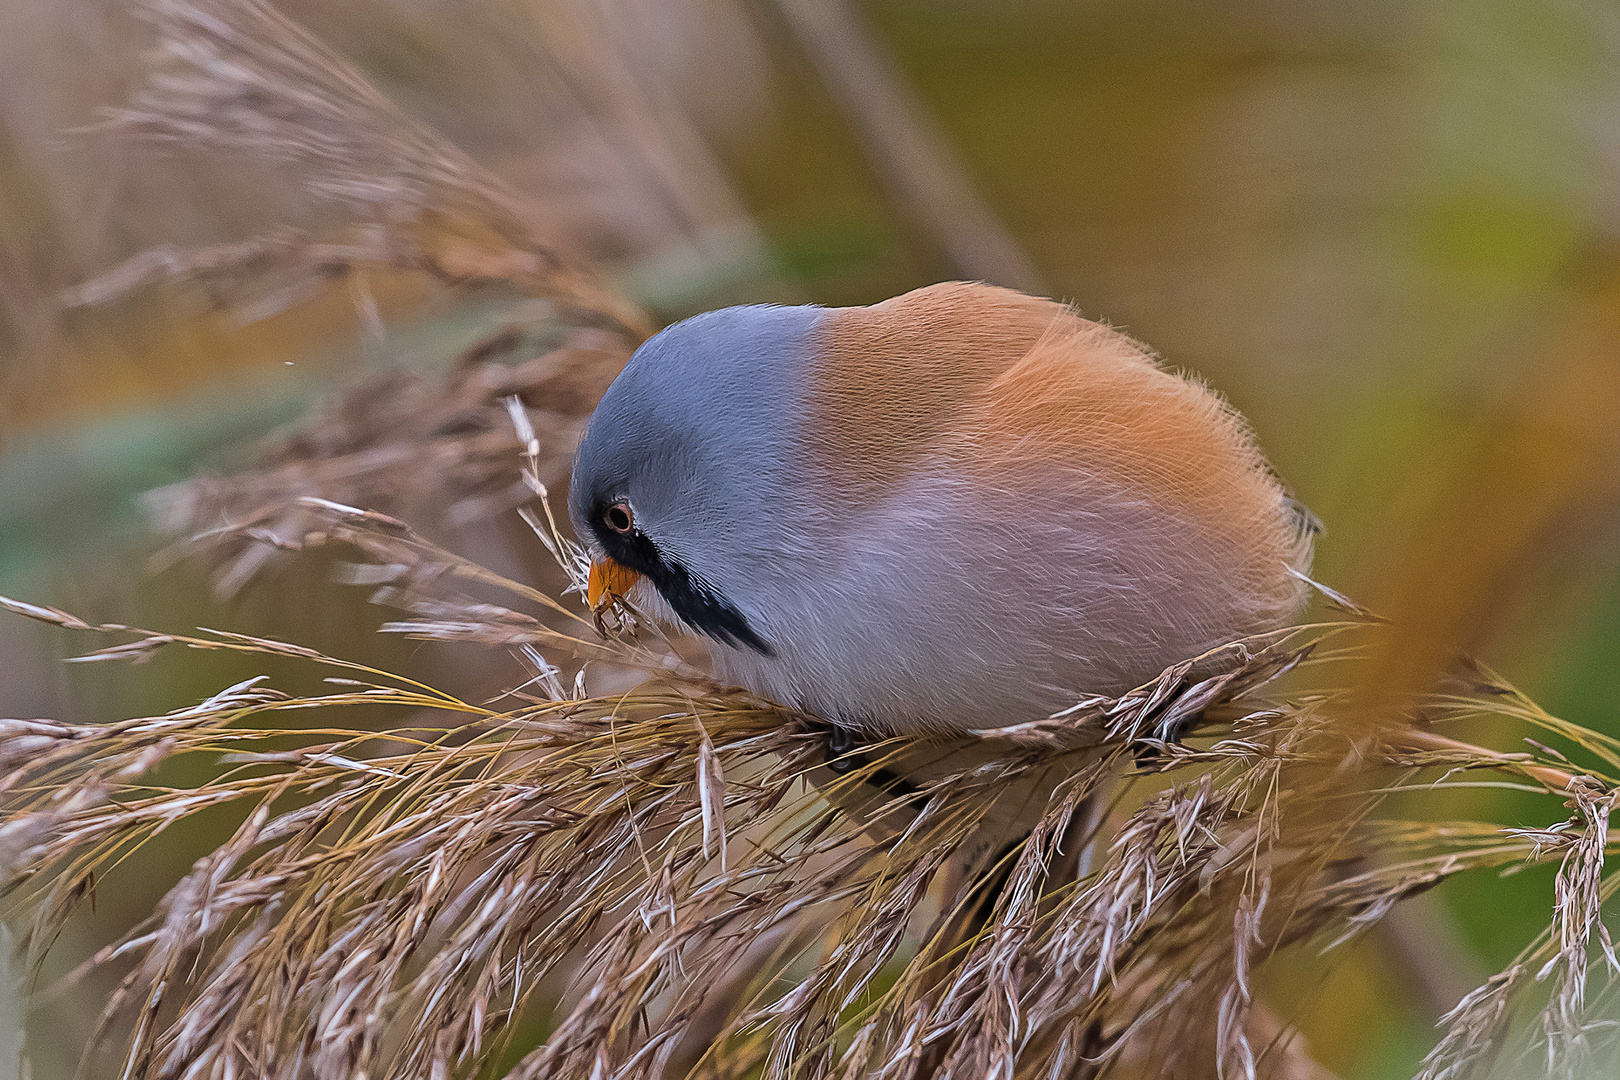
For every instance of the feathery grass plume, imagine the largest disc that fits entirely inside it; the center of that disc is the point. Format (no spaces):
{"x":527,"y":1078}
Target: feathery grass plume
{"x":237,"y":77}
{"x":442,"y":455}
{"x":664,"y":883}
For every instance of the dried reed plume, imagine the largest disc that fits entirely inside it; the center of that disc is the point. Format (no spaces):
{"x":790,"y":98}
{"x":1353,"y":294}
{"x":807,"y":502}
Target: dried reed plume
{"x":238,"y":79}
{"x":439,"y":452}
{"x":664,"y":879}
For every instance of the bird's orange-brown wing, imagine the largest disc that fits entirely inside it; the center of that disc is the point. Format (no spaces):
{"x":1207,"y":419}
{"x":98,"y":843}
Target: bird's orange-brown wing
{"x":888,"y":381}
{"x":1026,"y":395}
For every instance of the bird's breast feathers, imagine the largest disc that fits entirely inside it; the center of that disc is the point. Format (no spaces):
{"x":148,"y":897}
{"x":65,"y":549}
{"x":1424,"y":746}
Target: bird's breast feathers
{"x":1025,"y":507}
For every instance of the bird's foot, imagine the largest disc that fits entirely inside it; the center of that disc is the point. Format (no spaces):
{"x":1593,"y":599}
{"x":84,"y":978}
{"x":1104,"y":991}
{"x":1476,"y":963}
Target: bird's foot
{"x":841,"y":756}
{"x":1148,"y":756}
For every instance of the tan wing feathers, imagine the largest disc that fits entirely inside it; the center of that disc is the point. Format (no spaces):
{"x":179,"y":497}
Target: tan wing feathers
{"x":890,"y":379}
{"x":1025,"y":388}
{"x":1093,"y":400}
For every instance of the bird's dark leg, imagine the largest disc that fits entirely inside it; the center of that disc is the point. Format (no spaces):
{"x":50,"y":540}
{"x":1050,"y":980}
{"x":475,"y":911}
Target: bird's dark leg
{"x":1147,"y":756}
{"x":841,"y":757}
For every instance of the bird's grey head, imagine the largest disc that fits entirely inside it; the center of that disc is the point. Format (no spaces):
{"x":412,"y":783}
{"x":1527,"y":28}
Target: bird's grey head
{"x":685,"y":464}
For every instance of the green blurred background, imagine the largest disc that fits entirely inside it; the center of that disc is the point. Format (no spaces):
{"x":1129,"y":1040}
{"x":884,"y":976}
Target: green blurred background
{"x":1389,"y":232}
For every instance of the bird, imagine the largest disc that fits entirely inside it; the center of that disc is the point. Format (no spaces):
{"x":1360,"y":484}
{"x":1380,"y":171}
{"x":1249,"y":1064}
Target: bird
{"x":955,"y":510}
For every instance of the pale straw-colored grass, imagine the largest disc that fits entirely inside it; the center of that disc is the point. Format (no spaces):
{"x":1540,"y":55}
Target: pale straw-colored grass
{"x":236,"y":79}
{"x":653,"y":873}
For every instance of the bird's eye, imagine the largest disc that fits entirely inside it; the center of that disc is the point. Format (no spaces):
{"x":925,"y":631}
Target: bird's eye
{"x":619,"y":518}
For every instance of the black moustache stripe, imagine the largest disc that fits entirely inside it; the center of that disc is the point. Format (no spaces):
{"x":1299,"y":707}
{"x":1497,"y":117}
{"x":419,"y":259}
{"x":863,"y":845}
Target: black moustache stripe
{"x":698,"y":606}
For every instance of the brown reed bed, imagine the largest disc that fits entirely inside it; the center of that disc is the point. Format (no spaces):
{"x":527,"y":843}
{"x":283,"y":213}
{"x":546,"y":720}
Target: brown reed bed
{"x":668,"y":877}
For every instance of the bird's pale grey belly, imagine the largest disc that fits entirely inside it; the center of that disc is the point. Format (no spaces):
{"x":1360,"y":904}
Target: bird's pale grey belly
{"x":946,"y":613}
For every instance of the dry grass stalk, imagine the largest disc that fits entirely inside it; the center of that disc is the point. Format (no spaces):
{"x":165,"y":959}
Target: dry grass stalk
{"x":236,"y":78}
{"x":443,"y":455}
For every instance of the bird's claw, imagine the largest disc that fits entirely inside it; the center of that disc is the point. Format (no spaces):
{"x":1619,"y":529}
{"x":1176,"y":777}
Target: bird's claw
{"x":841,"y":757}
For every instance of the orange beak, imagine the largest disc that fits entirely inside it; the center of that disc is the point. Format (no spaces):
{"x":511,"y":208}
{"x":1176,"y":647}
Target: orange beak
{"x":608,"y":582}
